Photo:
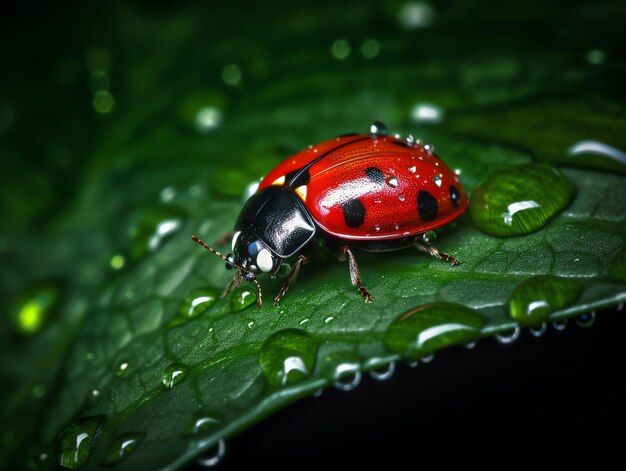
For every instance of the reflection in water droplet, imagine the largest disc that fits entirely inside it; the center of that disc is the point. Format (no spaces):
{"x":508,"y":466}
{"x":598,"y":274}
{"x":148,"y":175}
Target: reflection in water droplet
{"x":509,"y":336}
{"x":385,"y":373}
{"x":416,"y":15}
{"x":538,"y":331}
{"x":174,"y":374}
{"x":213,"y":457}
{"x":392,"y":182}
{"x":378,"y":129}
{"x":519,"y":199}
{"x":75,"y":441}
{"x":340,"y":49}
{"x":586,"y":320}
{"x":202,"y":422}
{"x":153,"y":228}
{"x":208,"y":118}
{"x":536,"y":298}
{"x":196,"y":302}
{"x":426,"y":113}
{"x":418,"y":333}
{"x":122,"y":446}
{"x":559,"y":324}
{"x":347,"y":376}
{"x":121,"y":370}
{"x":288,"y":357}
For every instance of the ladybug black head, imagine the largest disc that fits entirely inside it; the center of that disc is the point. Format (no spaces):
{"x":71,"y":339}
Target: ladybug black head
{"x":252,"y":255}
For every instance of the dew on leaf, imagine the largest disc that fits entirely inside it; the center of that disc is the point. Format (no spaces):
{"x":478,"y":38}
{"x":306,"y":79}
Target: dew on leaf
{"x":519,"y":199}
{"x":174,"y":374}
{"x":75,"y":440}
{"x":122,"y":446}
{"x":153,"y":228}
{"x":197,"y":301}
{"x":586,"y":320}
{"x":347,"y":376}
{"x":509,"y":336}
{"x":214,"y":456}
{"x":536,"y":298}
{"x":241,"y":298}
{"x":384,"y":373}
{"x":425,"y":329}
{"x":32,"y":309}
{"x":201,"y":422}
{"x":288,"y":357}
{"x":121,"y":369}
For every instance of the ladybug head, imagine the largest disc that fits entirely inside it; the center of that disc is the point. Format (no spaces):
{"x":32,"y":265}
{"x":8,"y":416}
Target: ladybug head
{"x":251,"y":255}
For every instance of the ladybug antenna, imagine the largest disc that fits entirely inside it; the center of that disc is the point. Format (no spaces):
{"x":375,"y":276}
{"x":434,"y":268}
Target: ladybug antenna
{"x":199,"y":242}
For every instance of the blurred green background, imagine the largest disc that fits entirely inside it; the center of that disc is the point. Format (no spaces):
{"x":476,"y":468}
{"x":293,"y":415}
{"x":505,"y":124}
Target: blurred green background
{"x":109,"y":108}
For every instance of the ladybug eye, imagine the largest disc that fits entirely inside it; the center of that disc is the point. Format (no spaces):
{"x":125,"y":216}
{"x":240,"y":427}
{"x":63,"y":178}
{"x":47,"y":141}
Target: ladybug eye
{"x":229,"y":261}
{"x":249,"y":277}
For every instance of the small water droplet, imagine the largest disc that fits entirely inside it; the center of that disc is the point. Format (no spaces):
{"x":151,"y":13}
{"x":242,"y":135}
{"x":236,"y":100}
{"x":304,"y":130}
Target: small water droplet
{"x":437,"y":180}
{"x":122,"y":446}
{"x":167,"y":194}
{"x":121,"y":370}
{"x":39,"y":391}
{"x":378,"y":200}
{"x":559,"y":324}
{"x":392,"y":182}
{"x":378,"y":129}
{"x":509,"y":336}
{"x":396,"y":226}
{"x":154,"y":227}
{"x":174,"y":374}
{"x":429,"y":237}
{"x":347,"y":376}
{"x":586,"y":320}
{"x":401,"y":197}
{"x":538,"y":331}
{"x":340,"y":49}
{"x":231,"y":75}
{"x":214,"y":456}
{"x":208,"y":118}
{"x":197,"y":302}
{"x":385,"y":373}
{"x":241,"y":298}
{"x":457,"y":171}
{"x":412,"y":169}
{"x":288,"y":357}
{"x":370,"y":48}
{"x":202,"y":422}
{"x":377,"y":227}
{"x":250,"y":324}
{"x":416,"y":15}
{"x":75,"y":441}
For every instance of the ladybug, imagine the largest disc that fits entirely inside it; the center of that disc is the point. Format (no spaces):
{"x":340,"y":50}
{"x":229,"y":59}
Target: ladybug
{"x":372,"y":192}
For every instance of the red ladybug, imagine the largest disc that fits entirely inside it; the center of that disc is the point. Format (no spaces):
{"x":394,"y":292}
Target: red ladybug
{"x":368,"y":191}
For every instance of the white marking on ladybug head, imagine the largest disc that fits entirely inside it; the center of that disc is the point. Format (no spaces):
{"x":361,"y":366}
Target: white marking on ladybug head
{"x":264,"y":261}
{"x":235,"y":237}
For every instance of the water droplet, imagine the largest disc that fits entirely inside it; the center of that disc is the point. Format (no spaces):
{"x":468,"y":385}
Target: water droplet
{"x":416,"y":15}
{"x":429,"y":237}
{"x":174,"y":374}
{"x":617,"y":269}
{"x":208,"y":118}
{"x":384,"y":373}
{"x":75,"y":440}
{"x":95,"y":392}
{"x":347,"y":376}
{"x":202,"y":422}
{"x":586,"y":320}
{"x":196,"y":302}
{"x":428,"y":358}
{"x":304,"y":321}
{"x":121,"y":370}
{"x":153,"y":228}
{"x":430,"y":150}
{"x":519,"y":199}
{"x":122,"y":446}
{"x":377,"y":227}
{"x":32,"y":309}
{"x":241,"y":298}
{"x":422,"y":330}
{"x":437,"y":180}
{"x":392,"y":182}
{"x":250,"y":324}
{"x":457,"y":171}
{"x":340,"y":49}
{"x":213,"y":457}
{"x":536,"y":298}
{"x":288,"y":357}
{"x":231,"y":75}
{"x":117,"y":262}
{"x":595,"y":56}
{"x":370,"y":48}
{"x":378,"y":129}
{"x":396,"y":226}
{"x":509,"y":336}
{"x":103,"y":102}
{"x":39,"y":391}
{"x":167,"y":194}
{"x":538,"y":331}
{"x":412,"y":169}
{"x":559,"y":324}
{"x":426,"y":113}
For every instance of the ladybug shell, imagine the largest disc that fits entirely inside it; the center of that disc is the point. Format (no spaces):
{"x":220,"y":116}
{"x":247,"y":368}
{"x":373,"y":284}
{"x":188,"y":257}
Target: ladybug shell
{"x":372,"y":187}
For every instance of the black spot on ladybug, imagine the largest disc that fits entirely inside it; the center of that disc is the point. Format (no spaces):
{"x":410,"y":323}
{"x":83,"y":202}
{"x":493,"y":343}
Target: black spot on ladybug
{"x":427,"y":206}
{"x":348,"y":134}
{"x":353,"y":213}
{"x":298,"y":177}
{"x":401,"y":144}
{"x":375,"y":174}
{"x":455,"y":196}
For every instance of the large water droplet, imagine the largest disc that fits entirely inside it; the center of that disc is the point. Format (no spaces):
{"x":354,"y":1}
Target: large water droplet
{"x":75,"y":440}
{"x":213,"y":457}
{"x":174,"y":374}
{"x":122,"y":446}
{"x":617,"y":269}
{"x":288,"y":357}
{"x":536,"y":298}
{"x":154,"y":227}
{"x":242,"y":297}
{"x":202,"y":422}
{"x":519,"y":199}
{"x":422,"y":330}
{"x":32,"y":309}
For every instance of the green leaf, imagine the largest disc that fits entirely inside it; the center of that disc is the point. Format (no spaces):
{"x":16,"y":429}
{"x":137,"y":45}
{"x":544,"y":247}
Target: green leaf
{"x":116,"y":332}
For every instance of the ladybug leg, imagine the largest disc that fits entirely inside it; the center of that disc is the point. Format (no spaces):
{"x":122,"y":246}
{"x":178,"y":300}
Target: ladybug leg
{"x":236,"y":282}
{"x":434,"y":251}
{"x":355,"y":275}
{"x":293,"y":274}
